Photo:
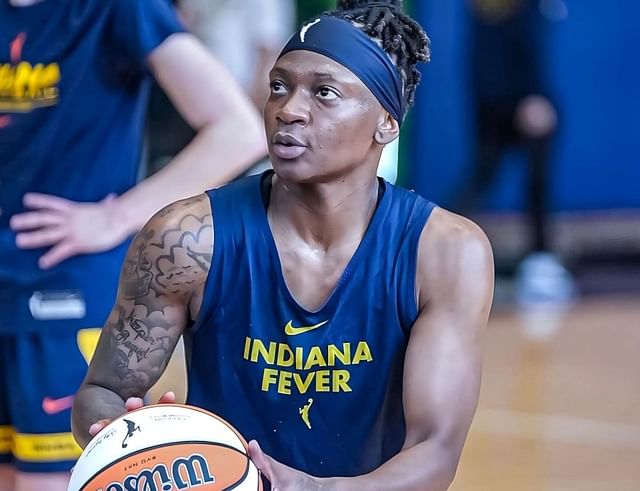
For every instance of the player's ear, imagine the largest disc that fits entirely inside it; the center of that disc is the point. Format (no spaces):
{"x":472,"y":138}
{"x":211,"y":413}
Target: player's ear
{"x":388,"y":129}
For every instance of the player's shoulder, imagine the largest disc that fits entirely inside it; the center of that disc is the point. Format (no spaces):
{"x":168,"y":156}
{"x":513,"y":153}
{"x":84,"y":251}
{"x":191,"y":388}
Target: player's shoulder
{"x":197,"y":206}
{"x":182,"y":222}
{"x":452,"y":232}
{"x":176,"y":240}
{"x":452,"y":248}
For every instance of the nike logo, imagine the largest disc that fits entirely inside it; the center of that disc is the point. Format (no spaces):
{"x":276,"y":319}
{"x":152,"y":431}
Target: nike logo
{"x":55,"y":406}
{"x":289,"y":330}
{"x":15,"y":48}
{"x":303,"y":31}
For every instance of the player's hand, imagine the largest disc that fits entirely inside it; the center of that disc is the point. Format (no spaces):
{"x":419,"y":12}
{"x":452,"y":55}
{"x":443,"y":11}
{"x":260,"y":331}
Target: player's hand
{"x":131,"y":404}
{"x":282,"y":477}
{"x":68,"y":227}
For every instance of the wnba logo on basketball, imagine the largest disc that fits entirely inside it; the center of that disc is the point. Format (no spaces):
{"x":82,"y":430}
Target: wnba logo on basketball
{"x":185,"y":473}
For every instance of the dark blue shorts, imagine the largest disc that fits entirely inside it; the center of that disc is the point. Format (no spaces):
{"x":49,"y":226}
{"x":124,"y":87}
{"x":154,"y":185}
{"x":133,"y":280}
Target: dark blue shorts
{"x":39,"y":375}
{"x":44,"y":352}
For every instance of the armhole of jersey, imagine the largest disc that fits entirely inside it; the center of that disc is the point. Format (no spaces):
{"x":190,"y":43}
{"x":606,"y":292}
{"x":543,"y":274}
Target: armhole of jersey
{"x":209,"y":300}
{"x":408,"y":291}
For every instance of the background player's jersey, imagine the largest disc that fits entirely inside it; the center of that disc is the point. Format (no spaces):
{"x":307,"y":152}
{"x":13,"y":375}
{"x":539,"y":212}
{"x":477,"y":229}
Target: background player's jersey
{"x":73,"y":90}
{"x":321,"y":391}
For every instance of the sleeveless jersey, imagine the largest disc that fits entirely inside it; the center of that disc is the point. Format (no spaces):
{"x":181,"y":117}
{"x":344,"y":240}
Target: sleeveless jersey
{"x":320,"y":391}
{"x":73,"y":90}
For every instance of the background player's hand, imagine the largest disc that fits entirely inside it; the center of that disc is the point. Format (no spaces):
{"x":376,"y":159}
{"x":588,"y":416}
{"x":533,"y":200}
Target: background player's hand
{"x":69,"y":228}
{"x":282,"y":477}
{"x":132,"y":404}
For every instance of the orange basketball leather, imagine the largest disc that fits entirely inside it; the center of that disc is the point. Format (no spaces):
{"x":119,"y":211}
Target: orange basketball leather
{"x":210,"y":467}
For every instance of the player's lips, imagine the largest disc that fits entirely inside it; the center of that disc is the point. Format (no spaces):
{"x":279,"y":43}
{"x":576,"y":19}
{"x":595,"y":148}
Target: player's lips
{"x":287,"y":147}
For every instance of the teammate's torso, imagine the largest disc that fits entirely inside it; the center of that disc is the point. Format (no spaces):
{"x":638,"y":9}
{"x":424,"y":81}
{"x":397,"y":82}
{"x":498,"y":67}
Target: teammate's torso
{"x":65,"y":115}
{"x":72,"y":102}
{"x":322,"y":390}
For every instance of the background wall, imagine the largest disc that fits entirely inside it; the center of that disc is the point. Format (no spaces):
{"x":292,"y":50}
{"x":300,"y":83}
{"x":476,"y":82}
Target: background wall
{"x":593,"y":72}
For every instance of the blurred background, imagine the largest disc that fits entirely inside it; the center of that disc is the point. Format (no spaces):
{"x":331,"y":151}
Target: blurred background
{"x":528,"y":121}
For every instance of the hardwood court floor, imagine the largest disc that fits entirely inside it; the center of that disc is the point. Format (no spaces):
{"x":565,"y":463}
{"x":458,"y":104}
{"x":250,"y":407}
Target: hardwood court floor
{"x":561,"y":414}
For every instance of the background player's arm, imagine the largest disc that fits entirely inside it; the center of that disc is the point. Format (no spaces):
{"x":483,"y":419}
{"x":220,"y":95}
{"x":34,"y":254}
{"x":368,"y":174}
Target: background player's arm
{"x":442,"y":366}
{"x":160,"y":290}
{"x":230,"y":137}
{"x":230,"y":132}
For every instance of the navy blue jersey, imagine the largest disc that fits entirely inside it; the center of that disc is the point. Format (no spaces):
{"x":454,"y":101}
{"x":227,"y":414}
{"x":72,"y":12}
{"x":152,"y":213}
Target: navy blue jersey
{"x":321,"y":391}
{"x":73,"y":91}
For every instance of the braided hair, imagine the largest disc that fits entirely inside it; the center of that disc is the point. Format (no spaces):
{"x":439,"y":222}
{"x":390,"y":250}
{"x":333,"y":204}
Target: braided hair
{"x":404,"y":40}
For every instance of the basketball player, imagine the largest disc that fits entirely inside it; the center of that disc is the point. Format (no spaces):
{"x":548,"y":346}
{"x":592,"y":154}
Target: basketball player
{"x":331,"y":317}
{"x":74,"y":75}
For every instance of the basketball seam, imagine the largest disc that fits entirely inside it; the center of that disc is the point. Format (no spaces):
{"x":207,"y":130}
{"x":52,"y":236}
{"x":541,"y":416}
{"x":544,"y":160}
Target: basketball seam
{"x":244,"y":476}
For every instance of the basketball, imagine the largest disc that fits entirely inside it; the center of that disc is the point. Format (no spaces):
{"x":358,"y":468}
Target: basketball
{"x":166,"y":447}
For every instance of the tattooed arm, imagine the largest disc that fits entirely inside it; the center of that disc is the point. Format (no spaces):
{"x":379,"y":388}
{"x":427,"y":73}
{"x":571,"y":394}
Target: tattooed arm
{"x":160,"y":291}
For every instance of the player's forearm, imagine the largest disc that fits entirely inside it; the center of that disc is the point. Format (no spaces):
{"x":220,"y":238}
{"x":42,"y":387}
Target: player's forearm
{"x":428,"y":466}
{"x":218,"y":153}
{"x":92,"y":404}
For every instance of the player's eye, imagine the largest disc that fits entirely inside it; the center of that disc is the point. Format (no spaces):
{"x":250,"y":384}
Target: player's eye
{"x":277,"y":87}
{"x":327,"y":93}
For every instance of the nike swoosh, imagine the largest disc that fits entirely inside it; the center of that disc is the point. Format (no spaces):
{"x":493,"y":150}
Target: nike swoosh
{"x":289,"y":330}
{"x":55,"y":406}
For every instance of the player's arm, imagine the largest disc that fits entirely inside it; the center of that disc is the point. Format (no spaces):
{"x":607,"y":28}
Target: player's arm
{"x":230,"y":135}
{"x":442,"y":366}
{"x":443,"y":362}
{"x":160,"y":291}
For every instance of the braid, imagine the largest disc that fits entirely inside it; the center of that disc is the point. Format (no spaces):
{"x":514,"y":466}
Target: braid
{"x":401,"y":37}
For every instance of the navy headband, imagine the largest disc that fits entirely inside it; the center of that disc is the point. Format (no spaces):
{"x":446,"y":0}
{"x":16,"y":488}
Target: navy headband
{"x":341,"y":41}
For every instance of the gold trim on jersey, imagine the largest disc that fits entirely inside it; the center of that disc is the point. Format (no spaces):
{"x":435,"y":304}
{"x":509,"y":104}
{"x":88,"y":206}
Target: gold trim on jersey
{"x":45,"y":448}
{"x":6,"y":439}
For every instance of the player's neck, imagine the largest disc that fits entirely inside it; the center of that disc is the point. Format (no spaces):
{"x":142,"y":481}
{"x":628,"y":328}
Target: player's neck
{"x":324,"y":215}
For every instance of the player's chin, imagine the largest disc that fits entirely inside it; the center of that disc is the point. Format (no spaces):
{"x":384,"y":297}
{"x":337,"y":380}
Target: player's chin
{"x":295,"y":170}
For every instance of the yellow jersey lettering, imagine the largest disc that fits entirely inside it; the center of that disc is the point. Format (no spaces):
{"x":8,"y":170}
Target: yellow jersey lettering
{"x":6,"y":78}
{"x":24,"y":87}
{"x":247,"y":347}
{"x":307,"y":369}
{"x":21,"y":80}
{"x":340,"y":381}
{"x":363,"y":353}
{"x":299,"y":358}
{"x":315,"y":358}
{"x":333,"y":353}
{"x":322,"y":381}
{"x":50,"y":76}
{"x":284,"y":383}
{"x":285,"y":356}
{"x":303,"y":384}
{"x":269,"y":377}
{"x":259,"y":349}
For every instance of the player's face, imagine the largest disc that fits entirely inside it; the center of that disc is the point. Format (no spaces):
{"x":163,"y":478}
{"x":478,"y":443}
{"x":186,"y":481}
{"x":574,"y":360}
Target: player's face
{"x":320,"y":119}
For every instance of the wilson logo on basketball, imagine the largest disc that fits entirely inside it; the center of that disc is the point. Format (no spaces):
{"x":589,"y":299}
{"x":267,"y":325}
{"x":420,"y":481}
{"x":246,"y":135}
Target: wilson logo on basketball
{"x":184,"y":473}
{"x":210,"y":467}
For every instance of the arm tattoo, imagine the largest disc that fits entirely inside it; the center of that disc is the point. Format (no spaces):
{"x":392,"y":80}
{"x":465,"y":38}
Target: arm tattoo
{"x":163,"y":270}
{"x":183,"y":249}
{"x":137,"y":273}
